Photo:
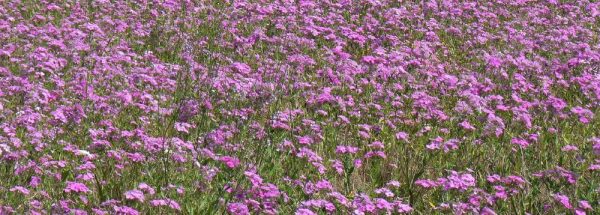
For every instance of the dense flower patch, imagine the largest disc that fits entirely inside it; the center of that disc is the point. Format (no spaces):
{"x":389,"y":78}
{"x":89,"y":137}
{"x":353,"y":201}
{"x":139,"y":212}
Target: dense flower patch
{"x":305,"y":107}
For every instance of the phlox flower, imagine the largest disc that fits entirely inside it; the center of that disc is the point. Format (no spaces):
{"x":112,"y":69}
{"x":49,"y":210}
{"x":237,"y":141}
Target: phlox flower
{"x":20,"y":189}
{"x":76,"y":187}
{"x":238,"y":208}
{"x":125,"y":210}
{"x":137,"y":195}
{"x":229,"y":161}
{"x":166,"y":202}
{"x":563,"y":200}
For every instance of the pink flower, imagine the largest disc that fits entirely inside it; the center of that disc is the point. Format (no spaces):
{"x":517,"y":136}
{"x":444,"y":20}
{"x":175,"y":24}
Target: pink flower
{"x":466,"y":125}
{"x":346,"y":149}
{"x":563,"y":200}
{"x":254,"y":178}
{"x":229,"y":161}
{"x":146,"y":188}
{"x":76,"y":187}
{"x":165,"y":202}
{"x":135,"y":195}
{"x":493,"y":61}
{"x":377,"y":145}
{"x":59,"y":115}
{"x":20,"y":189}
{"x":238,"y":208}
{"x":583,"y":204}
{"x":585,"y":115}
{"x":305,"y":140}
{"x":520,"y":142}
{"x":459,"y":181}
{"x":426,"y":183}
{"x":569,"y":148}
{"x":403,"y":207}
{"x":125,"y":210}
{"x":580,"y":212}
{"x":182,"y":127}
{"x":402,"y":136}
{"x":487,"y":211}
{"x":304,"y":211}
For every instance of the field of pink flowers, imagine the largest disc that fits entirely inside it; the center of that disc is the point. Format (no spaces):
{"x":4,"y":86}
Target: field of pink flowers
{"x":299,"y":107}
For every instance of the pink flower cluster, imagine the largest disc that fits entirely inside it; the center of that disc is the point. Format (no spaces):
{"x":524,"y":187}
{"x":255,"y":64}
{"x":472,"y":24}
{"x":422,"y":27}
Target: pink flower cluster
{"x":299,"y":107}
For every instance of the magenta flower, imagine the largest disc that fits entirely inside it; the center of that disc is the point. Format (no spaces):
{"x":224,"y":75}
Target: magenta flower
{"x":402,"y":136}
{"x":459,"y":181}
{"x":76,"y":187}
{"x":60,"y":115}
{"x":585,"y":205}
{"x":305,"y":107}
{"x":403,"y":208}
{"x":20,"y":189}
{"x":166,"y":202}
{"x":487,"y":211}
{"x":137,"y":195}
{"x":182,"y":127}
{"x":569,"y":148}
{"x":563,"y":200}
{"x":426,"y":183}
{"x":585,"y":115}
{"x":304,"y":211}
{"x":346,"y":149}
{"x":146,"y":188}
{"x":520,"y":142}
{"x":229,"y":161}
{"x":238,"y":209}
{"x":125,"y":210}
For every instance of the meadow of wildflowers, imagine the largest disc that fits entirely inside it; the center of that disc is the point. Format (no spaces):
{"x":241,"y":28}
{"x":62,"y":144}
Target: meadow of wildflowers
{"x":299,"y":107}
